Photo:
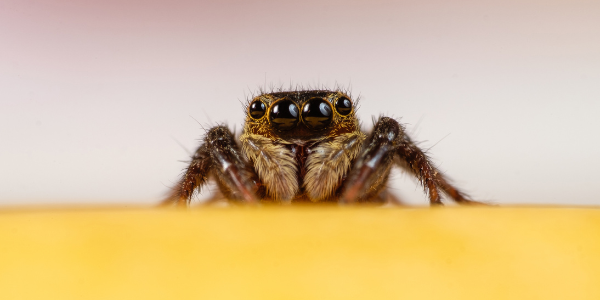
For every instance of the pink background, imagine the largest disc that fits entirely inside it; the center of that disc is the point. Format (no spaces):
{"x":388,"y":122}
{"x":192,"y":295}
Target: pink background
{"x":96,"y":95}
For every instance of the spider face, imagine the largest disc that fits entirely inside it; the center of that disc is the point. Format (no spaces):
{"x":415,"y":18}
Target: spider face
{"x":301,"y":117}
{"x":307,"y":146}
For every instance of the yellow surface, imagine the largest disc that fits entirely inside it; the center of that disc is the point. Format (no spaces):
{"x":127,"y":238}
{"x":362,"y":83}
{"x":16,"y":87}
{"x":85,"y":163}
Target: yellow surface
{"x":301,"y":253}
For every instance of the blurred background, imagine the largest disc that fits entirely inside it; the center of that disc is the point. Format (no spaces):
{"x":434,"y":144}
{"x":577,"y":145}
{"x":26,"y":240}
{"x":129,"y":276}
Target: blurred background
{"x":101,"y":101}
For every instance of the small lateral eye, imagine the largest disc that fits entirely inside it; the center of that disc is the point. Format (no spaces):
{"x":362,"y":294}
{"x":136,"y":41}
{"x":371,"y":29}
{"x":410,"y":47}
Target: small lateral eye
{"x":343,"y":106}
{"x":257,"y":109}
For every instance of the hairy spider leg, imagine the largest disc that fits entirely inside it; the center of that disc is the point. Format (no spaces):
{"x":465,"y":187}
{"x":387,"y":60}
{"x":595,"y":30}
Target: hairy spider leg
{"x":455,"y":193}
{"x":389,"y":145}
{"x":413,"y":159}
{"x":220,"y":155}
{"x":420,"y":165}
{"x":370,"y":172}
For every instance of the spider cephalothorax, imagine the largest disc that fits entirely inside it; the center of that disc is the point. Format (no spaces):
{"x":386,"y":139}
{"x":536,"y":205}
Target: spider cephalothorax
{"x":307,"y":146}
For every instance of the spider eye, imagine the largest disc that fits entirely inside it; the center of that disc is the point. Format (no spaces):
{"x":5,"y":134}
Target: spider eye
{"x":284,"y":115}
{"x":316,"y":114}
{"x":257,"y":109}
{"x":343,"y":106}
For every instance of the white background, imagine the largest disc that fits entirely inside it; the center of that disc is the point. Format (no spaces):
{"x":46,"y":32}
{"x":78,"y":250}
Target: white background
{"x":97,"y":96}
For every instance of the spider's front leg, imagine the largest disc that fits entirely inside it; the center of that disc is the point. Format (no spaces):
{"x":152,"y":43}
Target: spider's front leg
{"x":219,"y":155}
{"x":413,"y":159}
{"x":368,"y":176}
{"x":387,"y":145}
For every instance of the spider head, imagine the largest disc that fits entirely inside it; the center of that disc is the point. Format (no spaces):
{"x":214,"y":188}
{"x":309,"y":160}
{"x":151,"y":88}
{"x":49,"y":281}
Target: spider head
{"x":301,"y":116}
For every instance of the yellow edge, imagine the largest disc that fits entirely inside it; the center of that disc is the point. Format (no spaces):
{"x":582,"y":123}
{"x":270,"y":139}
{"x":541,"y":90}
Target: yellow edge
{"x":300,"y":253}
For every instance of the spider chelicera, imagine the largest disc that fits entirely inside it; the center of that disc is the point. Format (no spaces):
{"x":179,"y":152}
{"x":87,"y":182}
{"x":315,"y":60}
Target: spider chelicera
{"x":307,"y":147}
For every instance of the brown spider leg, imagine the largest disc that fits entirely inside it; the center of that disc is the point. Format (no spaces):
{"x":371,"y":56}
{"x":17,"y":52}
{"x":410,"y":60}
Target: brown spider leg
{"x":221,"y":155}
{"x":196,"y":175}
{"x":454,"y":193}
{"x":423,"y":169}
{"x":372,"y":168}
{"x":369,"y":174}
{"x":420,"y":165}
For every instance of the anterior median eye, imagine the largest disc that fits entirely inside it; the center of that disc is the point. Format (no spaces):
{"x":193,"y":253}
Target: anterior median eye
{"x":284,"y":115}
{"x":343,"y":106}
{"x":257,"y":109}
{"x":316,"y":114}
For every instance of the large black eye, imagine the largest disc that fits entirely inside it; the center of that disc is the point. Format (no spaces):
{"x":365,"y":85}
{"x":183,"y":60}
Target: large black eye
{"x":257,"y":109}
{"x":284,"y":115}
{"x":316,"y":114}
{"x":343,"y":106}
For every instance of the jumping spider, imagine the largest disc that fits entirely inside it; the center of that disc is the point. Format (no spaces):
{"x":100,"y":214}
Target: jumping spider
{"x":307,"y":146}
